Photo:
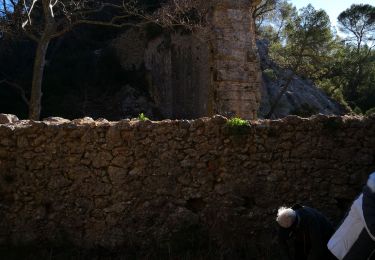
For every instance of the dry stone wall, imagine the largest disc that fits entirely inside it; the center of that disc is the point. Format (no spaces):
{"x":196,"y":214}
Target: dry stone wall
{"x":172,"y":184}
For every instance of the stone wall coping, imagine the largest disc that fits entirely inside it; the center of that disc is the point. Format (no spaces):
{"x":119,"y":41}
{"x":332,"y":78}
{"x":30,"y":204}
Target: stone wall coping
{"x":217,"y":119}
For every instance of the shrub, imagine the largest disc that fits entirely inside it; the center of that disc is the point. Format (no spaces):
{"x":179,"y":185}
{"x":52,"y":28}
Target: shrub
{"x":238,"y":126}
{"x":357,"y":111}
{"x":371,"y":111}
{"x":270,"y":74}
{"x":237,"y":122}
{"x":142,"y":117}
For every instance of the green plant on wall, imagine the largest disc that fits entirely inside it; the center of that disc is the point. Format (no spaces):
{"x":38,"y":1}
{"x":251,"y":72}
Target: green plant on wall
{"x":142,"y":117}
{"x":237,"y":126}
{"x":237,"y":122}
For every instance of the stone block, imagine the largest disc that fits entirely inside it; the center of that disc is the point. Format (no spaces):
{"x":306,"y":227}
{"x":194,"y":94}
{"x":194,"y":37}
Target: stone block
{"x":8,"y":119}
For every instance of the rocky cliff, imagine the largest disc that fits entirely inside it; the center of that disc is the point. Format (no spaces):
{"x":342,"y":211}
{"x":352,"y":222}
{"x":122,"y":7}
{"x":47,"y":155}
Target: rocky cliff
{"x":303,"y":98}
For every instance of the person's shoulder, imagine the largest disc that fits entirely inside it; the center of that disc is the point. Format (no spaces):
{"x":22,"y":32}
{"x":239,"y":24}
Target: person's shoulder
{"x":307,"y":213}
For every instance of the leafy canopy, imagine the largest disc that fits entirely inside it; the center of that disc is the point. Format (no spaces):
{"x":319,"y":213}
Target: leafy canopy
{"x":306,"y":43}
{"x":358,"y":23}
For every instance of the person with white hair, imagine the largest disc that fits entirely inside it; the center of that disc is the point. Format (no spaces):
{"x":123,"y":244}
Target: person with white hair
{"x":355,"y":238}
{"x":307,"y":229}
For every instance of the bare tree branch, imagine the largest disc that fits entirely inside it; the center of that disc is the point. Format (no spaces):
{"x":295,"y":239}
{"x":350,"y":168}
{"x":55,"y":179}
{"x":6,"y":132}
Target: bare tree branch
{"x":18,"y":88}
{"x":44,"y":20}
{"x":99,"y":9}
{"x":31,"y":36}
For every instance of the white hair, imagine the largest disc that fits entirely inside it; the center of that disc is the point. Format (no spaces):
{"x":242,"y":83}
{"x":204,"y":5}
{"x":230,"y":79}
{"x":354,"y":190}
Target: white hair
{"x":371,"y":182}
{"x":285,"y":217}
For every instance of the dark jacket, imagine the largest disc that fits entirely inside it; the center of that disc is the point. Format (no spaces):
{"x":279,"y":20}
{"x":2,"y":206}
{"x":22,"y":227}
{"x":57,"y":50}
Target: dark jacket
{"x":309,"y":234}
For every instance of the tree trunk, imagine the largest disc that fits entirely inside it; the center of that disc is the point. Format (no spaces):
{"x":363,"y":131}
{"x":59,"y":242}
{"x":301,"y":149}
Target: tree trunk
{"x":36,"y":87}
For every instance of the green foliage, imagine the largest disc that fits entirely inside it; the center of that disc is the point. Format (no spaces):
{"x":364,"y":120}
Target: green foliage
{"x":237,"y":126}
{"x":370,"y":112}
{"x":357,"y":111}
{"x":358,"y":23}
{"x":351,"y":74}
{"x":272,"y":17}
{"x":142,"y":117}
{"x":237,"y":122}
{"x":333,"y":88}
{"x":270,"y":74}
{"x":306,"y":44}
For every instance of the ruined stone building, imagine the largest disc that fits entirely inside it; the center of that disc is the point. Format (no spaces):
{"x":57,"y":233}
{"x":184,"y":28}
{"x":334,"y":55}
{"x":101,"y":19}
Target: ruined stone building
{"x":195,"y":75}
{"x":217,"y":70}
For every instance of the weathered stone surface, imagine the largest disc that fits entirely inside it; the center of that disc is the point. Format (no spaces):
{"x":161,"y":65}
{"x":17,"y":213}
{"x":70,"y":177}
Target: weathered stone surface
{"x":213,"y":71}
{"x":236,"y":68}
{"x":8,"y":118}
{"x":179,"y":75}
{"x":55,"y":119}
{"x":128,"y":184}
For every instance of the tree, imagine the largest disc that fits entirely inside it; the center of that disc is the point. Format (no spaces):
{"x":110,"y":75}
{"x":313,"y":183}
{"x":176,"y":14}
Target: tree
{"x":271,"y":24}
{"x":262,"y":9}
{"x":358,"y":23}
{"x":45,"y":20}
{"x":306,"y":44}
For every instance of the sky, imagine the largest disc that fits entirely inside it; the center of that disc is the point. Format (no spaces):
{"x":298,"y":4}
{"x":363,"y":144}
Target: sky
{"x":332,"y":7}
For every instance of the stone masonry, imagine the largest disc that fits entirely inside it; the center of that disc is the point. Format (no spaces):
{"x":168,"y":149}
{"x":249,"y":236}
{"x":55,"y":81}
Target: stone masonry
{"x":179,"y":74}
{"x":236,"y":71}
{"x":168,"y":184}
{"x":213,"y":71}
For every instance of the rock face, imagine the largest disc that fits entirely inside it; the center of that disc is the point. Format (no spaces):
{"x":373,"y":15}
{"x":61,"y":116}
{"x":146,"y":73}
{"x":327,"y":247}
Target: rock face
{"x":302,"y":98}
{"x":175,"y":185}
{"x":130,"y":49}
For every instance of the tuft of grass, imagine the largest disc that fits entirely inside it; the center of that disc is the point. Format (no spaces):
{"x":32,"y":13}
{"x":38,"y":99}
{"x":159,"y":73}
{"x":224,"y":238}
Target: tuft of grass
{"x":237,"y":122}
{"x":237,"y":126}
{"x":142,"y":117}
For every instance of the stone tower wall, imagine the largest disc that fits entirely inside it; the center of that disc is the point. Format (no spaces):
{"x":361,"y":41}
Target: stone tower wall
{"x":179,"y":75}
{"x":236,"y":70}
{"x":211,"y":72}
